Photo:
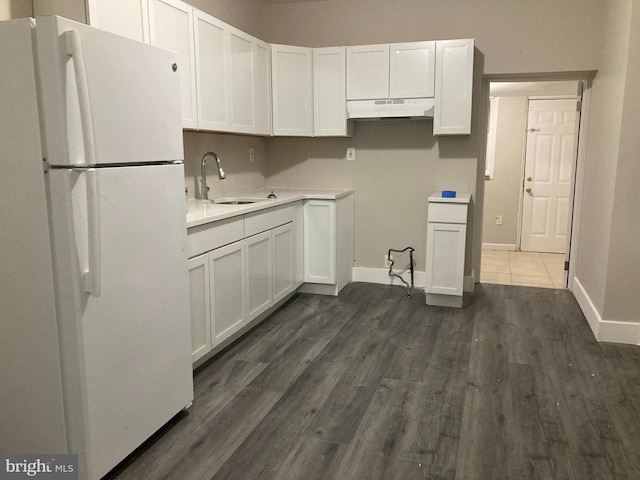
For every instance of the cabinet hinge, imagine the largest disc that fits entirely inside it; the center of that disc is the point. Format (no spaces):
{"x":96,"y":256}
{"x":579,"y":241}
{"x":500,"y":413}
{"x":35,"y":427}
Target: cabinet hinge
{"x":566,"y":266}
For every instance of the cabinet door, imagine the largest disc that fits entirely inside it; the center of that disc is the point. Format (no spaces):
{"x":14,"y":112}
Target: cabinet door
{"x":320,"y":241}
{"x":367,"y":72}
{"x":454,"y":87}
{"x":445,"y":258}
{"x":200,"y":306}
{"x":259,"y":274}
{"x":292,"y":88}
{"x":412,"y":69}
{"x":329,"y":85}
{"x":262,"y":87}
{"x":241,"y":80}
{"x":227,"y":291}
{"x":298,"y":243}
{"x":211,"y":40}
{"x":171,"y":27}
{"x":129,"y":18}
{"x":282,"y":261}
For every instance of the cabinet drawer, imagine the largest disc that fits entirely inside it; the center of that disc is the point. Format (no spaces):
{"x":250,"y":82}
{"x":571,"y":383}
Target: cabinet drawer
{"x":203,"y":238}
{"x":447,"y":213}
{"x":267,"y":219}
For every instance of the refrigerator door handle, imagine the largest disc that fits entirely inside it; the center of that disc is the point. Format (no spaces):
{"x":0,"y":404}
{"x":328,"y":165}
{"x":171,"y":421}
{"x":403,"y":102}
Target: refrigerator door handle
{"x":91,"y":276}
{"x":74,"y":49}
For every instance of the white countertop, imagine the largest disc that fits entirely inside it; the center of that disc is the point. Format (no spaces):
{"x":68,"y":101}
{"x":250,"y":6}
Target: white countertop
{"x":460,"y":197}
{"x":206,"y":211}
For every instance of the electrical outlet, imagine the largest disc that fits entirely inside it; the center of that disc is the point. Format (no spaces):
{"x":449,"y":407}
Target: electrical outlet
{"x":498,"y":219}
{"x":387,"y":260}
{"x":351,"y":153}
{"x":252,"y":154}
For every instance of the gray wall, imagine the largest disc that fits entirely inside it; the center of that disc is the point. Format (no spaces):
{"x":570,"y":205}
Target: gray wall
{"x":502,"y":193}
{"x":15,"y":9}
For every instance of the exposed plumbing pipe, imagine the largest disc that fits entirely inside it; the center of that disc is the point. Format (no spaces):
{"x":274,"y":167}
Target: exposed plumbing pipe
{"x":391,"y":262}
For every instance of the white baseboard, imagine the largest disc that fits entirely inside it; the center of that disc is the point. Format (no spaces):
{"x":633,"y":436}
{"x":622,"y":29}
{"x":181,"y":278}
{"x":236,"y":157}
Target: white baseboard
{"x":381,"y":275}
{"x":511,"y":247}
{"x":605,"y":330}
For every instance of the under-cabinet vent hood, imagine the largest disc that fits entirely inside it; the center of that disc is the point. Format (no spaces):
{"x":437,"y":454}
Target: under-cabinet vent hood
{"x":391,"y":108}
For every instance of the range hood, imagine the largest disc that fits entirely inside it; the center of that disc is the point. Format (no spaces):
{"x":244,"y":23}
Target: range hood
{"x":390,"y":108}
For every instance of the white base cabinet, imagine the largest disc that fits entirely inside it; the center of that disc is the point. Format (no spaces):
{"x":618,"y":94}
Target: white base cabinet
{"x":200,"y":306}
{"x":227,"y":291}
{"x":235,"y":278}
{"x":446,"y":240}
{"x":328,"y":245}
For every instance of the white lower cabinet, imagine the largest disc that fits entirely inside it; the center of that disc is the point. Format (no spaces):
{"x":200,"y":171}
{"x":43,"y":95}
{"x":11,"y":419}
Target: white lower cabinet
{"x":228,"y":291}
{"x":258,"y":267}
{"x":234,"y":284}
{"x":283,"y":256}
{"x":328,"y":245}
{"x":446,"y":241}
{"x":200,"y":306}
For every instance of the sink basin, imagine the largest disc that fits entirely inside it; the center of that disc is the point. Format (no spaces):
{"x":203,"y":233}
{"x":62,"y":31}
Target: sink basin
{"x":236,"y":202}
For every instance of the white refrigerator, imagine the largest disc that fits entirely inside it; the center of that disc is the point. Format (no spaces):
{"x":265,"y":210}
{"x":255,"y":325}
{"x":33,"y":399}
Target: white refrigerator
{"x":94,"y":297}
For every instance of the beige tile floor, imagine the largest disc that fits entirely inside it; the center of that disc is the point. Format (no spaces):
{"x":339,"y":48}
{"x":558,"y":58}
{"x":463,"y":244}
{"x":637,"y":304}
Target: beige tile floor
{"x":522,"y":268}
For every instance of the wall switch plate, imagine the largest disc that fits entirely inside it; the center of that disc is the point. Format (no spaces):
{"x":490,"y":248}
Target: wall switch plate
{"x":351,"y":153}
{"x":498,"y":219}
{"x":252,"y":154}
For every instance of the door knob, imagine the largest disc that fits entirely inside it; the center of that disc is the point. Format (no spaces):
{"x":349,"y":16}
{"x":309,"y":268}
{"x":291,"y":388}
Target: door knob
{"x":528,"y":190}
{"x":529,"y":179}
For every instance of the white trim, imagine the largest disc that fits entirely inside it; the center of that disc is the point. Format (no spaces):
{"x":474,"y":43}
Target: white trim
{"x":381,"y":276}
{"x":511,"y":247}
{"x":553,"y":97}
{"x":492,"y":130}
{"x":605,"y":330}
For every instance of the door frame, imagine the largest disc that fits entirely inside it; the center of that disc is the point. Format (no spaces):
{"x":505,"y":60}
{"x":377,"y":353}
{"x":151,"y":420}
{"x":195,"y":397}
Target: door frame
{"x":519,"y":221}
{"x":577,"y":186}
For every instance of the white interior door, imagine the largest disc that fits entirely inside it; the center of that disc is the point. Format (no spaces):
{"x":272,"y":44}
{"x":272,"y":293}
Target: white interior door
{"x":549,"y":159}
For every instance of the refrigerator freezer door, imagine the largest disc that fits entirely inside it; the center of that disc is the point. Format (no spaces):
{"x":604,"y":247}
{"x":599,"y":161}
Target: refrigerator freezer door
{"x":106,"y":99}
{"x":126,"y":360}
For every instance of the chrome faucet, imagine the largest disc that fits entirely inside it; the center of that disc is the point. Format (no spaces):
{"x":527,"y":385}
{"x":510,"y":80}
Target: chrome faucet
{"x":203,"y":173}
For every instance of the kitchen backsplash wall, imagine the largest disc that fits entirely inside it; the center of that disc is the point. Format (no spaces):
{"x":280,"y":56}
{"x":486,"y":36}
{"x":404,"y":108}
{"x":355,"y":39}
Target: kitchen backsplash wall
{"x":398,"y":165}
{"x":233,"y":151}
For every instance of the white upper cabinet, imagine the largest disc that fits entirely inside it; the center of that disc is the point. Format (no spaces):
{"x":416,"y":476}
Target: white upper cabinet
{"x":241,"y":81}
{"x":454,"y":87}
{"x":262,"y":87}
{"x":412,"y":69}
{"x":171,"y":27}
{"x":367,"y":72}
{"x":399,"y":70}
{"x":129,"y":18}
{"x":212,"y":68}
{"x":329,"y":84}
{"x":292,"y":89}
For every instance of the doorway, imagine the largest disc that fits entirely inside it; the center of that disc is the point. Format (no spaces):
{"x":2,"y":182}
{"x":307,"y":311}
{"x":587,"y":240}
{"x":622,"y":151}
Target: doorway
{"x":528,"y":199}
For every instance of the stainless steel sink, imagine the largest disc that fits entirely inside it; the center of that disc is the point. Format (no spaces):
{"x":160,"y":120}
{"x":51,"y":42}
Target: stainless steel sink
{"x":236,"y":202}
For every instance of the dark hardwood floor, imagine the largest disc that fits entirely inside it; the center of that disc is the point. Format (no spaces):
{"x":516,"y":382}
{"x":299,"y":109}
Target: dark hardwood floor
{"x":375,"y":385}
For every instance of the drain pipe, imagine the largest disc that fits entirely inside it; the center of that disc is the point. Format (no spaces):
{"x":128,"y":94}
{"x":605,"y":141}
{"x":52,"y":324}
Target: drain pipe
{"x":391,"y":262}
